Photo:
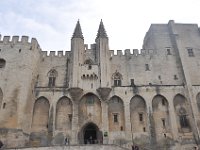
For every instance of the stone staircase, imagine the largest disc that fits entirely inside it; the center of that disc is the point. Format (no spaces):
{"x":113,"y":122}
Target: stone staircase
{"x":75,"y":147}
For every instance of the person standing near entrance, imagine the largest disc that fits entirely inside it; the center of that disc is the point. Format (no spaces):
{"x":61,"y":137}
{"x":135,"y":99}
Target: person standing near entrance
{"x":90,"y":139}
{"x":66,"y":141}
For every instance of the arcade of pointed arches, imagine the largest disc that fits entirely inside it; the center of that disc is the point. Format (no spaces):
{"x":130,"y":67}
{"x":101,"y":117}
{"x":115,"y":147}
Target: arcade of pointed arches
{"x":90,"y":109}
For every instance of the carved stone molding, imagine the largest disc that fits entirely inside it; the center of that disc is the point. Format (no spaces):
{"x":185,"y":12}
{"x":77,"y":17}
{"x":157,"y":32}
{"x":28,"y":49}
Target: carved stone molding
{"x":104,"y":92}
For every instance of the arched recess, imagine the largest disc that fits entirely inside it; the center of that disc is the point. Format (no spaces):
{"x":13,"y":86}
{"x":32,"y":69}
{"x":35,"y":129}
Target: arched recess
{"x":1,"y":97}
{"x":90,"y":109}
{"x":138,"y":114}
{"x":161,"y":118}
{"x":198,"y":101}
{"x":40,"y":114}
{"x":180,"y":105}
{"x":64,"y":114}
{"x":116,"y":114}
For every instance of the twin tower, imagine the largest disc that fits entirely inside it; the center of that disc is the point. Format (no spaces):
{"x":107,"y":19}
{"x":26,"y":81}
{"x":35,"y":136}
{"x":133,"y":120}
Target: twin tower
{"x":97,"y":58}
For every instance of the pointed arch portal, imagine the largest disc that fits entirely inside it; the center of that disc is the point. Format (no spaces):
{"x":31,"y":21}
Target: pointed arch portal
{"x":90,"y":134}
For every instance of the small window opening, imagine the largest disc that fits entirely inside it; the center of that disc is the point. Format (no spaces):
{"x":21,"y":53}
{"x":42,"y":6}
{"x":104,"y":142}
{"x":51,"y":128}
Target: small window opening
{"x":90,"y":100}
{"x":91,"y":85}
{"x":4,"y":105}
{"x":159,"y":77}
{"x":121,"y":128}
{"x":0,"y":50}
{"x":2,"y":63}
{"x":20,"y":50}
{"x":52,"y":77}
{"x":175,"y":77}
{"x":144,"y":129}
{"x":132,"y":82}
{"x":116,"y":100}
{"x":140,"y":117}
{"x":168,"y":51}
{"x":163,"y":102}
{"x":163,"y":123}
{"x":89,"y":67}
{"x":117,"y":78}
{"x":52,"y":81}
{"x":117,"y":82}
{"x":184,"y":121}
{"x":115,"y":118}
{"x":190,"y":52}
{"x":70,"y":117}
{"x":165,"y":135}
{"x":147,"y":67}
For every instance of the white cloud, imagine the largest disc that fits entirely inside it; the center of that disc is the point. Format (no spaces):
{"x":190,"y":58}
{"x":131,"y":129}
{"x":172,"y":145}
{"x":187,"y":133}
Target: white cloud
{"x":52,"y":22}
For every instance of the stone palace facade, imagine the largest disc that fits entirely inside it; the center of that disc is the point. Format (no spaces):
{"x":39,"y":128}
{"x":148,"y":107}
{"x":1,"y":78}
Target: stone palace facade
{"x":90,"y":95}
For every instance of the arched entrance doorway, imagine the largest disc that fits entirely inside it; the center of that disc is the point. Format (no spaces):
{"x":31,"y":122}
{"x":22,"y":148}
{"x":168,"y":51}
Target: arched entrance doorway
{"x":90,"y":134}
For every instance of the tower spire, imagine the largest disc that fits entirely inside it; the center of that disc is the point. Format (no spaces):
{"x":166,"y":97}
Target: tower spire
{"x":101,"y":31}
{"x":77,"y":31}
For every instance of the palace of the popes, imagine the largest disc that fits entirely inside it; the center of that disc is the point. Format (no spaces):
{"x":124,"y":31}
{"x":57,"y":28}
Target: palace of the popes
{"x":91,"y":95}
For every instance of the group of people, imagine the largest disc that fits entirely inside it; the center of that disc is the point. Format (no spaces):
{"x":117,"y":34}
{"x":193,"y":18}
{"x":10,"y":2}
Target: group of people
{"x":1,"y":144}
{"x":135,"y":147}
{"x":67,"y":142}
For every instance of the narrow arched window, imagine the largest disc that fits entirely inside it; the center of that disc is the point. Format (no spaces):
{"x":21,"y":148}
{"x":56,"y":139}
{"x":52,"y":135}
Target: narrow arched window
{"x":52,"y":74}
{"x":183,"y":118}
{"x":117,"y":79}
{"x":2,"y":63}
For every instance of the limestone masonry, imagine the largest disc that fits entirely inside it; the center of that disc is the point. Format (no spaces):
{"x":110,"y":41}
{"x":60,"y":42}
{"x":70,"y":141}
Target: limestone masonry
{"x":90,"y":95}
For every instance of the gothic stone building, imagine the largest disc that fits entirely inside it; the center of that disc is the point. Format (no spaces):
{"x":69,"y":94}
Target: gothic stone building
{"x":91,"y":95}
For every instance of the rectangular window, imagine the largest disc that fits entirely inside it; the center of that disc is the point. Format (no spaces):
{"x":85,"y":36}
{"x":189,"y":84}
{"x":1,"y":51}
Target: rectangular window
{"x":183,"y":121}
{"x":70,"y":117}
{"x":147,"y":67}
{"x":52,"y":81}
{"x":117,"y":82}
{"x":90,"y":100}
{"x":141,"y":117}
{"x":159,"y":77}
{"x":163,"y":102}
{"x":163,"y":122}
{"x":132,"y":82}
{"x":190,"y":52}
{"x":175,"y":77}
{"x":115,"y":118}
{"x":168,"y":51}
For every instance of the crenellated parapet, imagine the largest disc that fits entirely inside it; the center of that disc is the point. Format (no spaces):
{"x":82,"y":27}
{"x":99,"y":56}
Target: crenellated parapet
{"x":132,"y":52}
{"x":55,"y":53}
{"x":16,"y":40}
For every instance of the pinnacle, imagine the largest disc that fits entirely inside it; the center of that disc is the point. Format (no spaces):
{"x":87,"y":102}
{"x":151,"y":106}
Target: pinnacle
{"x":101,"y":32}
{"x":77,"y":31}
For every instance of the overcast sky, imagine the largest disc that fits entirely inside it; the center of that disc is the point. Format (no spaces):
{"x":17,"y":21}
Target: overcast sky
{"x":52,"y":22}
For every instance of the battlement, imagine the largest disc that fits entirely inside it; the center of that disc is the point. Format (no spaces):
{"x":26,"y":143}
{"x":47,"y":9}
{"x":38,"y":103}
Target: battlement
{"x":55,"y":53}
{"x":19,"y":40}
{"x":132,"y":52}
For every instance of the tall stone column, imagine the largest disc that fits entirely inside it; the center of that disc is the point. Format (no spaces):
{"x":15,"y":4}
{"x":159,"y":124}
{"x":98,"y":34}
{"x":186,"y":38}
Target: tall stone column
{"x":104,"y":92}
{"x":75,"y":94}
{"x":105,"y":121}
{"x":151,"y":126}
{"x":127,"y":116}
{"x":173,"y":122}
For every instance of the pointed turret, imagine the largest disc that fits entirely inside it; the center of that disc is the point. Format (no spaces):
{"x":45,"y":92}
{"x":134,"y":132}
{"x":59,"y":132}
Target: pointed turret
{"x":101,"y":32}
{"x":103,"y":56}
{"x":77,"y":31}
{"x":77,"y":49}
